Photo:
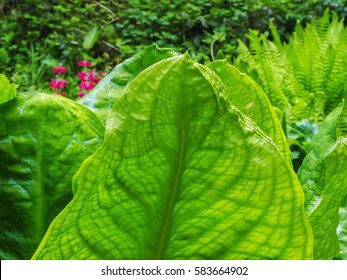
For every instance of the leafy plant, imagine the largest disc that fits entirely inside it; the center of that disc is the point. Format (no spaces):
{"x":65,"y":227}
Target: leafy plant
{"x":193,"y":165}
{"x":43,"y":140}
{"x":33,"y":32}
{"x":183,"y":174}
{"x":323,"y":177}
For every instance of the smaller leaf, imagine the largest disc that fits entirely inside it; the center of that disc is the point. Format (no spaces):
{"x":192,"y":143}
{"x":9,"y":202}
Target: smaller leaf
{"x":44,"y":139}
{"x":91,"y":37}
{"x":101,"y":99}
{"x":7,"y":90}
{"x":323,"y":177}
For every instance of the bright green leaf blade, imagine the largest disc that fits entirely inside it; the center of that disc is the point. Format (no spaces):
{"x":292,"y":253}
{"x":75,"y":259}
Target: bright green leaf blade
{"x":181,"y":174}
{"x":111,"y":88}
{"x":251,"y":100}
{"x":7,"y":90}
{"x":323,"y":177}
{"x":91,"y":38}
{"x":43,"y":141}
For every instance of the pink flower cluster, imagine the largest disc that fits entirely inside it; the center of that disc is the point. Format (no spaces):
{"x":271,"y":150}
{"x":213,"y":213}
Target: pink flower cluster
{"x":60,"y":69}
{"x":83,"y":63}
{"x":89,"y":78}
{"x":58,"y":84}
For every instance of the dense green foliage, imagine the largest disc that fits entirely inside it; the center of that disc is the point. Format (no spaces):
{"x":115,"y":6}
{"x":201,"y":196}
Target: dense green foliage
{"x":188,"y":149}
{"x":35,"y":35}
{"x":305,"y":78}
{"x":191,"y":155}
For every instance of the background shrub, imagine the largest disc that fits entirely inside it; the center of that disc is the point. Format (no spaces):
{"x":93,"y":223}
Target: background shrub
{"x":37,"y":35}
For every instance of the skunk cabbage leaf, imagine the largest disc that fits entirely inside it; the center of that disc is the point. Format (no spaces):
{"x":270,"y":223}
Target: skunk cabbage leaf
{"x":101,"y":99}
{"x":43,"y":141}
{"x":323,"y":177}
{"x":182,"y":174}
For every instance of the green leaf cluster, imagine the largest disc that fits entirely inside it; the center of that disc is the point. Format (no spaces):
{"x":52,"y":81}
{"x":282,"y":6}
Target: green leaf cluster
{"x":36,"y":33}
{"x":192,"y":164}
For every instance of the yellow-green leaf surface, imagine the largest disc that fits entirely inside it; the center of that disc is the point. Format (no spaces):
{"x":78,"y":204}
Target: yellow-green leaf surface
{"x":323,"y":177}
{"x":101,"y":99}
{"x":182,"y":174}
{"x":44,"y":138}
{"x":251,"y":100}
{"x":7,"y":90}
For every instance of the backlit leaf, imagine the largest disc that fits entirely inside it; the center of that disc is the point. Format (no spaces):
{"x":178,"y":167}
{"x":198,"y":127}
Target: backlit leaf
{"x":182,"y":174}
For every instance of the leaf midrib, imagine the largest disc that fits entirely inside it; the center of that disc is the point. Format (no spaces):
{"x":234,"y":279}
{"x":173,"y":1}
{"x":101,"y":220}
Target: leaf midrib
{"x":174,"y":186}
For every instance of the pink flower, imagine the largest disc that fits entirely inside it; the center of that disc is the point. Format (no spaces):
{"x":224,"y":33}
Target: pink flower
{"x":62,"y":94}
{"x":82,"y":75}
{"x":86,"y":85}
{"x":97,"y":79}
{"x":91,"y":76}
{"x":58,"y":84}
{"x":84,"y":63}
{"x":81,"y":94}
{"x":53,"y":84}
{"x":60,"y":69}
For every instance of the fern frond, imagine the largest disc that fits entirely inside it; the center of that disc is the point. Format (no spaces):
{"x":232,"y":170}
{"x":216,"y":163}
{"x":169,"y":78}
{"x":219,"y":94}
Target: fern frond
{"x":306,"y":77}
{"x":322,"y":24}
{"x":276,"y":37}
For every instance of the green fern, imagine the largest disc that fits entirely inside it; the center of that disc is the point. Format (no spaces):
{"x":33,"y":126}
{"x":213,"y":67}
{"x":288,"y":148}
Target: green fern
{"x":261,"y":61}
{"x":306,"y":77}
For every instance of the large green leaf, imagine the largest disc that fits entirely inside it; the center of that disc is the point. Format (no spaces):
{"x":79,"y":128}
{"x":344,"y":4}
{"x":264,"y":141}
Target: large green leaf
{"x":7,"y":90}
{"x":43,"y":140}
{"x":323,"y":177}
{"x":182,"y":174}
{"x":111,"y":88}
{"x":255,"y":104}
